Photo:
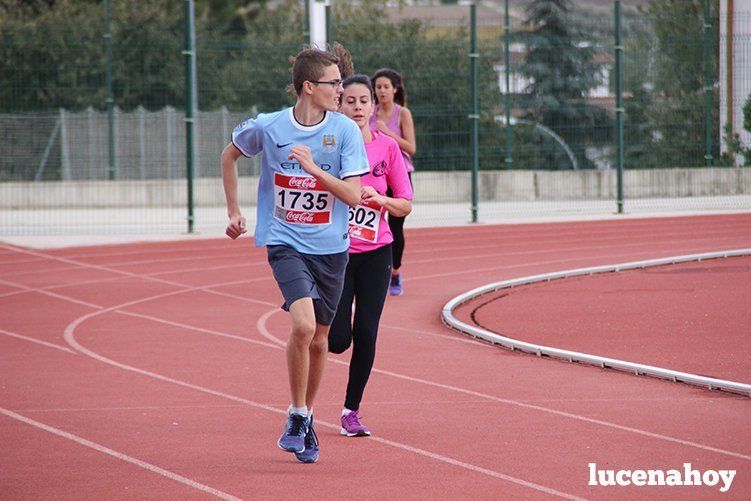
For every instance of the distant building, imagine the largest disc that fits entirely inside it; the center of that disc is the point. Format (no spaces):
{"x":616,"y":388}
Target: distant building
{"x":735,"y":67}
{"x":518,"y":83}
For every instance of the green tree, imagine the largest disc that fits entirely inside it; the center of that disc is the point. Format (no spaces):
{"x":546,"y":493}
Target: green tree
{"x":560,"y":64}
{"x":52,"y":52}
{"x":733,"y":145}
{"x":666,"y":79}
{"x":436,"y":70}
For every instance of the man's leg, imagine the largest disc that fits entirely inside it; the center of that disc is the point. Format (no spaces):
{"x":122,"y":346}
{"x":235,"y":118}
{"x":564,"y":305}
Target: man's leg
{"x":317,"y":356}
{"x":319,"y":349}
{"x":299,"y":349}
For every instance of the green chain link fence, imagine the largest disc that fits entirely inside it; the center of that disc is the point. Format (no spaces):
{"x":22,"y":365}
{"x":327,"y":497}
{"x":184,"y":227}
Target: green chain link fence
{"x":557,"y":157}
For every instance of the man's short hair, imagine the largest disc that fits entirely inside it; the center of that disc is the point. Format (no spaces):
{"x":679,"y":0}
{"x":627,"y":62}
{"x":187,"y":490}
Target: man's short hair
{"x":309,"y":65}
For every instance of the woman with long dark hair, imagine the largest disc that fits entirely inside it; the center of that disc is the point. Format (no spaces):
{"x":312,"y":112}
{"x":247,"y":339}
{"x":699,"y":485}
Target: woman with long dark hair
{"x":393,"y":118}
{"x":368,"y":273}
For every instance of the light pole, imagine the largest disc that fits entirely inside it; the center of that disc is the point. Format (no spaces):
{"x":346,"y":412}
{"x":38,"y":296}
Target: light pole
{"x":317,"y":10}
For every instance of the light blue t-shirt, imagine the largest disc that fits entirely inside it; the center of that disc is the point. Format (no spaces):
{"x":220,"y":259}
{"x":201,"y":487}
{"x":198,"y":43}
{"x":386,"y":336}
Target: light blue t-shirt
{"x":293,"y":208}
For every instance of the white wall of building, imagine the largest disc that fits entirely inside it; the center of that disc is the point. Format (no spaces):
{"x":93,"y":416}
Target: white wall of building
{"x":735,"y":65}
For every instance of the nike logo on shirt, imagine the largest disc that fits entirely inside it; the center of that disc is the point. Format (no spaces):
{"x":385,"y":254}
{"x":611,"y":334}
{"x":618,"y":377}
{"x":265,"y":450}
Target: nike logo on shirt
{"x":282,"y":145}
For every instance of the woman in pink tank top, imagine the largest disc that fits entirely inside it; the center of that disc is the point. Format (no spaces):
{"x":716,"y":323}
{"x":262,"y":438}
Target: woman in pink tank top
{"x":392,"y":117}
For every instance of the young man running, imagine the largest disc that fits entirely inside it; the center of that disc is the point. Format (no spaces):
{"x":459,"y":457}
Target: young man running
{"x":312,"y":163}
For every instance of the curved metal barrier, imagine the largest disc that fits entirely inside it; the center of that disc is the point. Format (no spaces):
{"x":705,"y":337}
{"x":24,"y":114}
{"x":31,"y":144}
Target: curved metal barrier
{"x":574,"y":356}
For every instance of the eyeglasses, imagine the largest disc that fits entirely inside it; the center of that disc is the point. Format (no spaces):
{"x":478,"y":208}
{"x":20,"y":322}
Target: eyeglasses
{"x":333,"y":83}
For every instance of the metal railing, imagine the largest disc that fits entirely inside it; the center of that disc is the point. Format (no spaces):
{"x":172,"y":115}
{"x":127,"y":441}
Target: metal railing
{"x":573,"y":356}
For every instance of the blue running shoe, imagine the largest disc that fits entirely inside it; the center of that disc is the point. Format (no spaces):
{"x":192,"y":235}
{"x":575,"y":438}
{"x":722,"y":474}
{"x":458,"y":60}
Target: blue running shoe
{"x":310,"y":454}
{"x":395,"y":287}
{"x":293,"y":438}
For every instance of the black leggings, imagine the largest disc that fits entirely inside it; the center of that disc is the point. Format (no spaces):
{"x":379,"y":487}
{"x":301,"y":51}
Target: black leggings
{"x":397,"y":247}
{"x":396,"y":224}
{"x":366,"y":281}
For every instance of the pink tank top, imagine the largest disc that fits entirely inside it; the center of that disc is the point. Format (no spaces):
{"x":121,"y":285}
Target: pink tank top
{"x":395,"y":127}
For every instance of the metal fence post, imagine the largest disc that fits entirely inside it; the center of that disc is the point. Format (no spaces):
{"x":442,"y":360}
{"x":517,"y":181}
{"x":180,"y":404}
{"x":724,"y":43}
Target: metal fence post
{"x":329,"y":24}
{"x":64,"y":147}
{"x":475,"y":115}
{"x":619,"y":105}
{"x":142,"y":141}
{"x":708,"y":80}
{"x":509,"y":160}
{"x":190,"y":99}
{"x":110,"y":100}
{"x":306,"y":22}
{"x":92,"y":165}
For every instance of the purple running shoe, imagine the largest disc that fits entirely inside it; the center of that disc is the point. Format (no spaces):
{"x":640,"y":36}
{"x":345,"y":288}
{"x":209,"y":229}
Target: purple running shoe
{"x":396,"y":288}
{"x":352,"y":427}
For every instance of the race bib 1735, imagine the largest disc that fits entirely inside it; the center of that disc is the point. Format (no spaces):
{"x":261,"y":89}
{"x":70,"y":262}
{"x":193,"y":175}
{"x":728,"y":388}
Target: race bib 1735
{"x":301,"y":200}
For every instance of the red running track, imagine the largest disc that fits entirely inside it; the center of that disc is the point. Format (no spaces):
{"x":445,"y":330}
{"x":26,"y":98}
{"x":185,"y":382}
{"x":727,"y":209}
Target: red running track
{"x":689,"y":317}
{"x":154,"y":370}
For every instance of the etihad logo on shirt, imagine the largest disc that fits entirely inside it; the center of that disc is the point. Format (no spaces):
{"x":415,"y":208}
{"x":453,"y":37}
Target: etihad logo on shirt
{"x":295,"y":166}
{"x":328,"y":143}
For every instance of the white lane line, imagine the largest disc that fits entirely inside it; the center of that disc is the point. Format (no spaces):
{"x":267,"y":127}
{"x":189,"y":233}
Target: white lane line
{"x":570,"y":415}
{"x":78,"y":264}
{"x":265,"y":333}
{"x":262,"y":329}
{"x":209,"y":289}
{"x":204,"y":288}
{"x":75,"y":323}
{"x":119,"y":455}
{"x":194,"y":328}
{"x":576,"y":249}
{"x":51,"y":294}
{"x":333,"y":406}
{"x":574,"y":228}
{"x":213,"y":256}
{"x":513,"y":241}
{"x":76,"y":254}
{"x":600,"y":229}
{"x":110,"y":266}
{"x":600,"y":235}
{"x":629,"y":255}
{"x":471,"y":467}
{"x":70,"y":338}
{"x":41,"y":410}
{"x":449,"y":337}
{"x":139,"y":277}
{"x":38,"y":341}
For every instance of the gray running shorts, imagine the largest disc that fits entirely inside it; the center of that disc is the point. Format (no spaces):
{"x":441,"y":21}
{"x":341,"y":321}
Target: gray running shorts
{"x":320,"y":277}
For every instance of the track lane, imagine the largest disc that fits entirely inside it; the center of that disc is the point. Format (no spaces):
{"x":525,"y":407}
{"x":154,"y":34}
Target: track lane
{"x":395,"y":343}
